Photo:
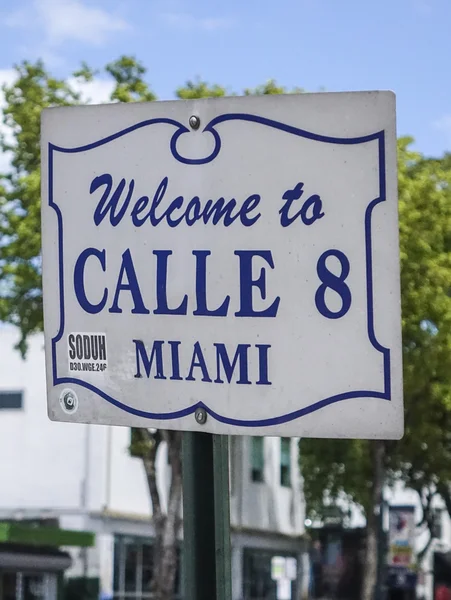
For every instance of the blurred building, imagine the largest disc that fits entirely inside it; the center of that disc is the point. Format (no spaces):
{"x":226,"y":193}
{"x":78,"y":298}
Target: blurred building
{"x":417,"y":560}
{"x":81,"y":478}
{"x":433,"y":552}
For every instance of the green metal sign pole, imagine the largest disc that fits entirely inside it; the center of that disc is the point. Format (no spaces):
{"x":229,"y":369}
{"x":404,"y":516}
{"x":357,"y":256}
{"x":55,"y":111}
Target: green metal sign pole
{"x":222,"y":517}
{"x":206,"y":517}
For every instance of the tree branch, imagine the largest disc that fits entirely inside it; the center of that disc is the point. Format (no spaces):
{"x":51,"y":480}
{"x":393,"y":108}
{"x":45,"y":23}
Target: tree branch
{"x":150,"y":444}
{"x":444,"y":492}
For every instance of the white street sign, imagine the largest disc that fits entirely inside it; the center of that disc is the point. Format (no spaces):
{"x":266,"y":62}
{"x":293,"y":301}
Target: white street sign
{"x":237,"y":275}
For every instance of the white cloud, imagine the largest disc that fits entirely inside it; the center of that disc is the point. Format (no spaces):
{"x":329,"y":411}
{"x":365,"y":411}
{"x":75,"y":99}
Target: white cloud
{"x":188,"y":22}
{"x":67,"y":20}
{"x":97,"y":91}
{"x":7,"y":76}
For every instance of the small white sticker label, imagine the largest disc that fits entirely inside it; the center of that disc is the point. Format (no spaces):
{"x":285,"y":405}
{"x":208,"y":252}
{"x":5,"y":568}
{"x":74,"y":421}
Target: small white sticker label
{"x":87,"y":352}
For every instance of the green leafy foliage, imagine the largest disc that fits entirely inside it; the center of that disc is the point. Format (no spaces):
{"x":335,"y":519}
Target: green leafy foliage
{"x":193,"y":90}
{"x":334,"y":469}
{"x":128,"y":75}
{"x":270,"y":88}
{"x":20,"y":225}
{"x":423,"y":456}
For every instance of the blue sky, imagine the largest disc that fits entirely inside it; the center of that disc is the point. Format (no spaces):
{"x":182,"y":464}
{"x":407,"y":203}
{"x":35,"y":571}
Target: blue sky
{"x":403,"y":45}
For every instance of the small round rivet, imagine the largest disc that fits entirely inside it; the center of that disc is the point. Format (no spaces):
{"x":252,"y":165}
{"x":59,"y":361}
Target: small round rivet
{"x":194,"y":122}
{"x":68,"y":401}
{"x":200,"y":415}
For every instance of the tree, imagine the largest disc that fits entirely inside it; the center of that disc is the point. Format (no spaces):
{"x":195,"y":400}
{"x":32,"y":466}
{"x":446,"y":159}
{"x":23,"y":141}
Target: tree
{"x":193,"y":90}
{"x":20,"y":221}
{"x":353,"y":469}
{"x":270,"y":88}
{"x":130,"y":87}
{"x":145,"y":445}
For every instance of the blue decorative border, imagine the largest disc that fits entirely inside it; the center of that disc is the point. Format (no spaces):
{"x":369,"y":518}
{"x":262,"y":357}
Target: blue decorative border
{"x":180,"y":130}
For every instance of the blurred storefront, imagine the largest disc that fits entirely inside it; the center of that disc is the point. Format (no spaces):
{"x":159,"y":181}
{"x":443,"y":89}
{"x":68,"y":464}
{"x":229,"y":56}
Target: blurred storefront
{"x":337,"y":558}
{"x":32,"y":562}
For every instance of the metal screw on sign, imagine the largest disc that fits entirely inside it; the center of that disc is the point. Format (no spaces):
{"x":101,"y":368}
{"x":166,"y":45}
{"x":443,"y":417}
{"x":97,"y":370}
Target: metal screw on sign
{"x":200,"y":415}
{"x":68,"y":401}
{"x":194,"y":122}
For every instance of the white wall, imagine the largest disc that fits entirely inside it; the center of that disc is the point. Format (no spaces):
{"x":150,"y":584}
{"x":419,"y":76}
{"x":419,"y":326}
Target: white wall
{"x":267,"y":505}
{"x":42,"y":464}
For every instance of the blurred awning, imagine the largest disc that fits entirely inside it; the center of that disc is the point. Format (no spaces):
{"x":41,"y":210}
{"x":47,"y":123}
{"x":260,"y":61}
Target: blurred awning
{"x":23,"y":558}
{"x":38,"y":535}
